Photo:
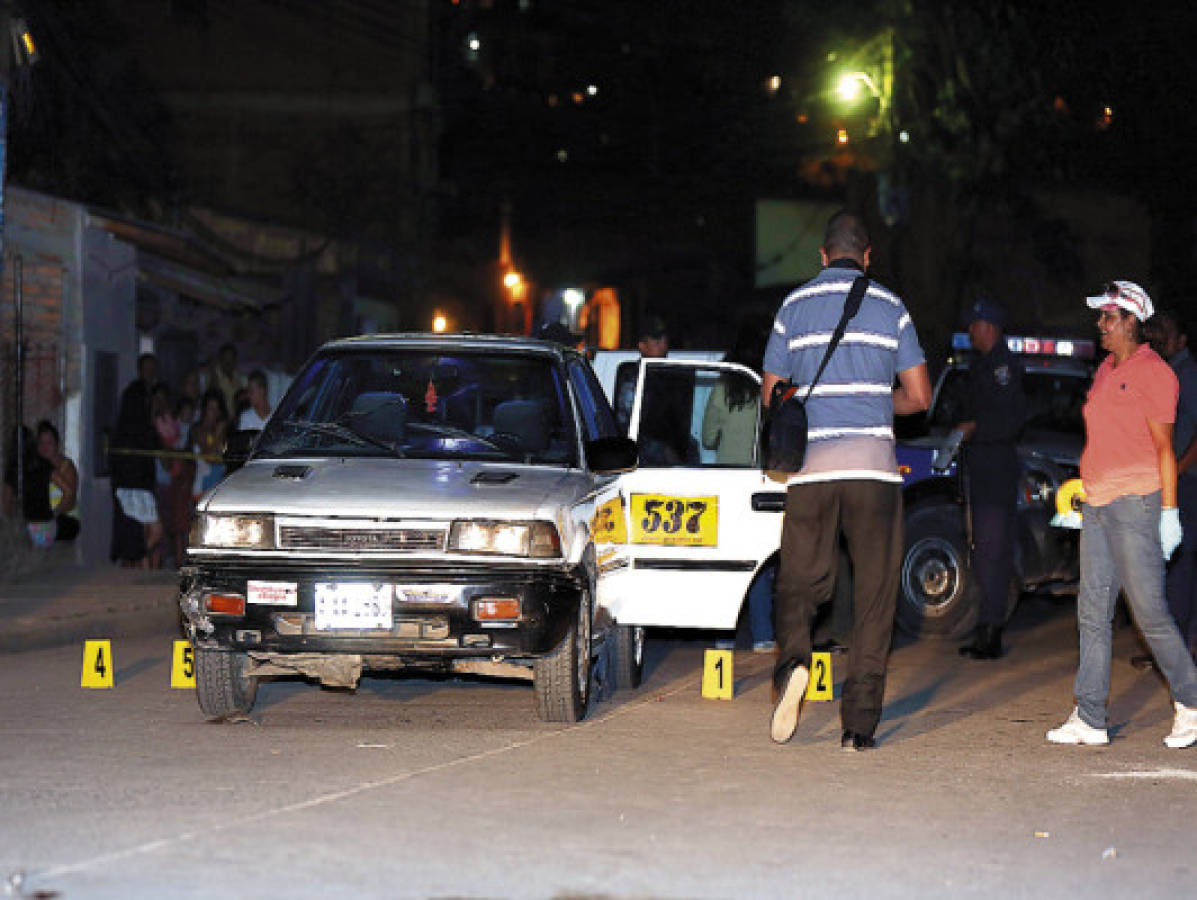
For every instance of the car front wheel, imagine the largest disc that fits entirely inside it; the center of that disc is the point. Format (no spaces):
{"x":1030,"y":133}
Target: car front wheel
{"x":628,"y":656}
{"x":938,"y":595}
{"x":221,"y":685}
{"x":561,"y":680}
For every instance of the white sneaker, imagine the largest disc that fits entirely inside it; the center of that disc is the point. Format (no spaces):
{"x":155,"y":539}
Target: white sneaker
{"x":785,"y":713}
{"x":1184,"y":727}
{"x":1077,"y":731}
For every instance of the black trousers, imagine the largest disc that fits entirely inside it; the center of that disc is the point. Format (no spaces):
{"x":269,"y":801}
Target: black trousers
{"x":869,"y":513}
{"x":993,"y":557}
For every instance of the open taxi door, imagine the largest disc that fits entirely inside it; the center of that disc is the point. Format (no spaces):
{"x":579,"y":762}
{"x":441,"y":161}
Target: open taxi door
{"x":697,"y":518}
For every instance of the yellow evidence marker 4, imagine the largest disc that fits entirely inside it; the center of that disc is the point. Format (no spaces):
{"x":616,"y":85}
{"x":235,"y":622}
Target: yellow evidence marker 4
{"x":821,"y":685}
{"x":182,"y":666}
{"x":717,"y":675}
{"x":98,"y":668}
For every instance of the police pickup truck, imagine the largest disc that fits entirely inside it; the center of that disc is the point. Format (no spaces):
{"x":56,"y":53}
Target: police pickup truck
{"x":698,"y":523}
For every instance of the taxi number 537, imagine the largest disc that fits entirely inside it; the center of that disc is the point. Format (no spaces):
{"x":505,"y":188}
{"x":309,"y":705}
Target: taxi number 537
{"x":674,"y":521}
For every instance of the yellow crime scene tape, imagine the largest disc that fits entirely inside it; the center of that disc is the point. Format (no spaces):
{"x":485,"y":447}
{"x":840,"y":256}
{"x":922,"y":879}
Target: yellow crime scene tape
{"x":166,"y":454}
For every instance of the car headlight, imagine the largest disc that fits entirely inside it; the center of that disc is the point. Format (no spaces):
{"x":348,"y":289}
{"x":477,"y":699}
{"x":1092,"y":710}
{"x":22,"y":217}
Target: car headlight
{"x":1037,"y":489}
{"x":535,"y":539}
{"x":233,"y":532}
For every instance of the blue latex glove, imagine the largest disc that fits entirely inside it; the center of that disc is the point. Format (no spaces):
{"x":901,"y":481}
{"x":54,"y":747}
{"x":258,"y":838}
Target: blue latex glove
{"x":1170,"y":531}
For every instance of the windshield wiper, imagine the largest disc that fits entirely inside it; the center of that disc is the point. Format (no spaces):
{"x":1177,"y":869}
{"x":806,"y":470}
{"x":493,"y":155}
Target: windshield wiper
{"x":343,"y":432}
{"x":451,"y":431}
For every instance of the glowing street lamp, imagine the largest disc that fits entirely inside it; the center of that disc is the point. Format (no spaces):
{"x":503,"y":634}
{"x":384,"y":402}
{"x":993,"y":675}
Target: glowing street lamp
{"x":512,"y":280}
{"x":850,"y":85}
{"x":439,"y":324}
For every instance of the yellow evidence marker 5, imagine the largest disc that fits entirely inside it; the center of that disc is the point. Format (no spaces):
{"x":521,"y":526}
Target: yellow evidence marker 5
{"x":820,"y":686}
{"x":717,"y":676}
{"x":182,"y":666}
{"x":98,"y":670}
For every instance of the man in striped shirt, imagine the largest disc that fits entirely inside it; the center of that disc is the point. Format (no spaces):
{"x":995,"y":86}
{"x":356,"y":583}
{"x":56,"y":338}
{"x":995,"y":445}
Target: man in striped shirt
{"x":849,"y":480}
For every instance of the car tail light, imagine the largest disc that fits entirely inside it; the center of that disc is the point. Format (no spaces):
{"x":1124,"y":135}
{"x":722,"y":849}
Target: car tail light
{"x":226,"y":604}
{"x":497,"y":609}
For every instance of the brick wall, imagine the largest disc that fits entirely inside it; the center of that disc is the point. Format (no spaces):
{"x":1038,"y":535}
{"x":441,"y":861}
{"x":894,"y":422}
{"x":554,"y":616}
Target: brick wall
{"x":51,"y":366}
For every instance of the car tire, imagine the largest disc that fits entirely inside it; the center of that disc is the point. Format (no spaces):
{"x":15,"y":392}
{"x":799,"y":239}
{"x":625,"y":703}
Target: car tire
{"x":221,"y":685}
{"x":561,"y":680}
{"x":938,"y":595}
{"x":627,"y":656}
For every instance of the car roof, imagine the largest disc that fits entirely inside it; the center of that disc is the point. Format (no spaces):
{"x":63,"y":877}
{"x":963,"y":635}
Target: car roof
{"x":449,"y":342}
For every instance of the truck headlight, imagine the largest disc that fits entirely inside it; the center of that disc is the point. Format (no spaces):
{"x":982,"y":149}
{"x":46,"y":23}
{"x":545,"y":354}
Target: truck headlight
{"x":536,"y":539}
{"x":233,"y":532}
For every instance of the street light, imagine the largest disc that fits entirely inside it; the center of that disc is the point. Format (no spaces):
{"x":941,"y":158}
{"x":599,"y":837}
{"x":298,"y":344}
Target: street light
{"x":849,"y":86}
{"x":439,"y":324}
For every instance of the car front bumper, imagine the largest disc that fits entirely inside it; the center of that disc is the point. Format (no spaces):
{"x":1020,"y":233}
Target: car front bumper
{"x":433,"y":611}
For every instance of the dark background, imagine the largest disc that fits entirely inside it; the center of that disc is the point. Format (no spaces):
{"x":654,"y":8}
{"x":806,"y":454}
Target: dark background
{"x":375,"y":122}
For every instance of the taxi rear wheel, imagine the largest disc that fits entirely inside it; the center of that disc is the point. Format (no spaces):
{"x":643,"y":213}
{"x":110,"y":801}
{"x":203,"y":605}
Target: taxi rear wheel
{"x":938,"y":595}
{"x":221,"y":685}
{"x":561,"y":680}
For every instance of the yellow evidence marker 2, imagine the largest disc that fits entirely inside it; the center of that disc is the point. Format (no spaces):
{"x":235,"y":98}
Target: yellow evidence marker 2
{"x":182,"y":666}
{"x":717,"y":676}
{"x":820,"y":686}
{"x":98,"y":670}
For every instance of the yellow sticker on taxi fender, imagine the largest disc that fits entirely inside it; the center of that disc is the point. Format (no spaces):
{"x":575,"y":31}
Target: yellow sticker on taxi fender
{"x":608,"y":525}
{"x":674,"y":521}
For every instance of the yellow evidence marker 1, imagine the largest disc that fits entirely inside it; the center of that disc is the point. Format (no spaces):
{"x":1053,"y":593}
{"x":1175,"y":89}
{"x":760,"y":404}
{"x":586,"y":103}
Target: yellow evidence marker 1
{"x":98,"y":670}
{"x":820,"y":686}
{"x":182,"y":666}
{"x":717,"y":677}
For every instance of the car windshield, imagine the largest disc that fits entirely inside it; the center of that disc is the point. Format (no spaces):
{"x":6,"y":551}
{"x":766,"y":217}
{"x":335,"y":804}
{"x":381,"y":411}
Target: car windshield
{"x":427,"y":405}
{"x":1054,"y":401}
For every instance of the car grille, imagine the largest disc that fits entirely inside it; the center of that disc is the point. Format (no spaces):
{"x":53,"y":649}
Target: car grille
{"x":310,"y":537}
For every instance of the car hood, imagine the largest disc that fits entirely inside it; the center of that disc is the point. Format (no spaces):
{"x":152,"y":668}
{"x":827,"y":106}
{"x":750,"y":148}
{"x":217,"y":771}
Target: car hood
{"x":398,"y":488}
{"x":1062,"y":448}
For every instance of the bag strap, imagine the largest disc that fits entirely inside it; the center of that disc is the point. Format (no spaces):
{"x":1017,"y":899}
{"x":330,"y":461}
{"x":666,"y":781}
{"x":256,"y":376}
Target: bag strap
{"x":851,"y":308}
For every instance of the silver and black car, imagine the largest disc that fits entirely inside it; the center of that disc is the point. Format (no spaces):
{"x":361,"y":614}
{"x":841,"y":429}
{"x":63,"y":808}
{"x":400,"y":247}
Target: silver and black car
{"x":415,"y":501}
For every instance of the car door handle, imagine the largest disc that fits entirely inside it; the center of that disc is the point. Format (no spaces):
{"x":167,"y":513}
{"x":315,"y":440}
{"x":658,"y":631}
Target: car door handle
{"x":769,"y":501}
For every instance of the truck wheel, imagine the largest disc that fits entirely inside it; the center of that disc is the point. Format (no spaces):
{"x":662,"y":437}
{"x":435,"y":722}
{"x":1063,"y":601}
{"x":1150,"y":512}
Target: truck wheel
{"x":221,"y":685}
{"x":627,"y":656}
{"x":561,"y":680}
{"x":938,"y":595}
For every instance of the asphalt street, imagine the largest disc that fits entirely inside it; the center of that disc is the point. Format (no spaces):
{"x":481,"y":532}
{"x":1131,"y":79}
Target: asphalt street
{"x":416,"y":787}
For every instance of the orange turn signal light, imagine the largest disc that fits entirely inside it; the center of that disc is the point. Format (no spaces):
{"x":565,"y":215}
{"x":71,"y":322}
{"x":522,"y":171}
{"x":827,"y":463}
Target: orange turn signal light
{"x":226,"y":604}
{"x":493,"y":609}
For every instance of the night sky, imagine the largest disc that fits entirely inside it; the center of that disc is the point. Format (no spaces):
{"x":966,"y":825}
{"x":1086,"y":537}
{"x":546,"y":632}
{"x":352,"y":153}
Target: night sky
{"x":629,"y":140}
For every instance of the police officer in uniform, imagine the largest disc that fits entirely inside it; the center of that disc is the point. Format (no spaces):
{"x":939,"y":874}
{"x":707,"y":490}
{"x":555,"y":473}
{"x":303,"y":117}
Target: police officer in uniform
{"x":995,"y":408}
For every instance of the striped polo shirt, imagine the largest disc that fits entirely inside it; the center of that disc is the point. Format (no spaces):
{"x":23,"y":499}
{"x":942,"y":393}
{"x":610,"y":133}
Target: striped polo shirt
{"x":851,"y":412}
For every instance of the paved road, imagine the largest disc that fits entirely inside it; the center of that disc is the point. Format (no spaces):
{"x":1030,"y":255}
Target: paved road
{"x":424,"y":788}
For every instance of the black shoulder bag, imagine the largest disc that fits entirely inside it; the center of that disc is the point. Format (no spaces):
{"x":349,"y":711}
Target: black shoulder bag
{"x":783,"y":434}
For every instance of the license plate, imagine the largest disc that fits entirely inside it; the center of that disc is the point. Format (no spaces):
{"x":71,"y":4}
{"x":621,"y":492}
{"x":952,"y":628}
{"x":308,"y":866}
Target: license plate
{"x":272,"y":593}
{"x":353,"y":606}
{"x":674,"y":521}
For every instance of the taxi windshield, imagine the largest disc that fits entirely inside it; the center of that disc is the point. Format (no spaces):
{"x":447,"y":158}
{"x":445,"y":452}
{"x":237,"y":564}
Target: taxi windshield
{"x":426,"y":405}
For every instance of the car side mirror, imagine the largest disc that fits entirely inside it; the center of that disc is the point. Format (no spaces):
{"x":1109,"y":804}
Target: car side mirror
{"x":237,"y":447}
{"x":612,"y":455}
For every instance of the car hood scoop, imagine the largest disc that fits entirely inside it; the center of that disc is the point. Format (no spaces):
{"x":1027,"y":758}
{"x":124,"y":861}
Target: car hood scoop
{"x":295,"y":473}
{"x":487,"y":477}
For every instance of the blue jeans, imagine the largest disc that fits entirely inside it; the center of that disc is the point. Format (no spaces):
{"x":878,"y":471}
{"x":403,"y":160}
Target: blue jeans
{"x":760,"y":604}
{"x":1120,"y":549}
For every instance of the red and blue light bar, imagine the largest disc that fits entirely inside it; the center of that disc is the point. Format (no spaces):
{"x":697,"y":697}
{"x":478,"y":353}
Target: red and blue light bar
{"x":1038,"y":346}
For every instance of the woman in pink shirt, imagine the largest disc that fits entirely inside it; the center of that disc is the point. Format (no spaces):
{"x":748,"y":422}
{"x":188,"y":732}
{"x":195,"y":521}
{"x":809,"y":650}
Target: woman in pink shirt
{"x":1130,"y":522}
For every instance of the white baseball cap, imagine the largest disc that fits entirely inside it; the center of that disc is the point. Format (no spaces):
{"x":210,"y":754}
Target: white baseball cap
{"x":1127,"y":295}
